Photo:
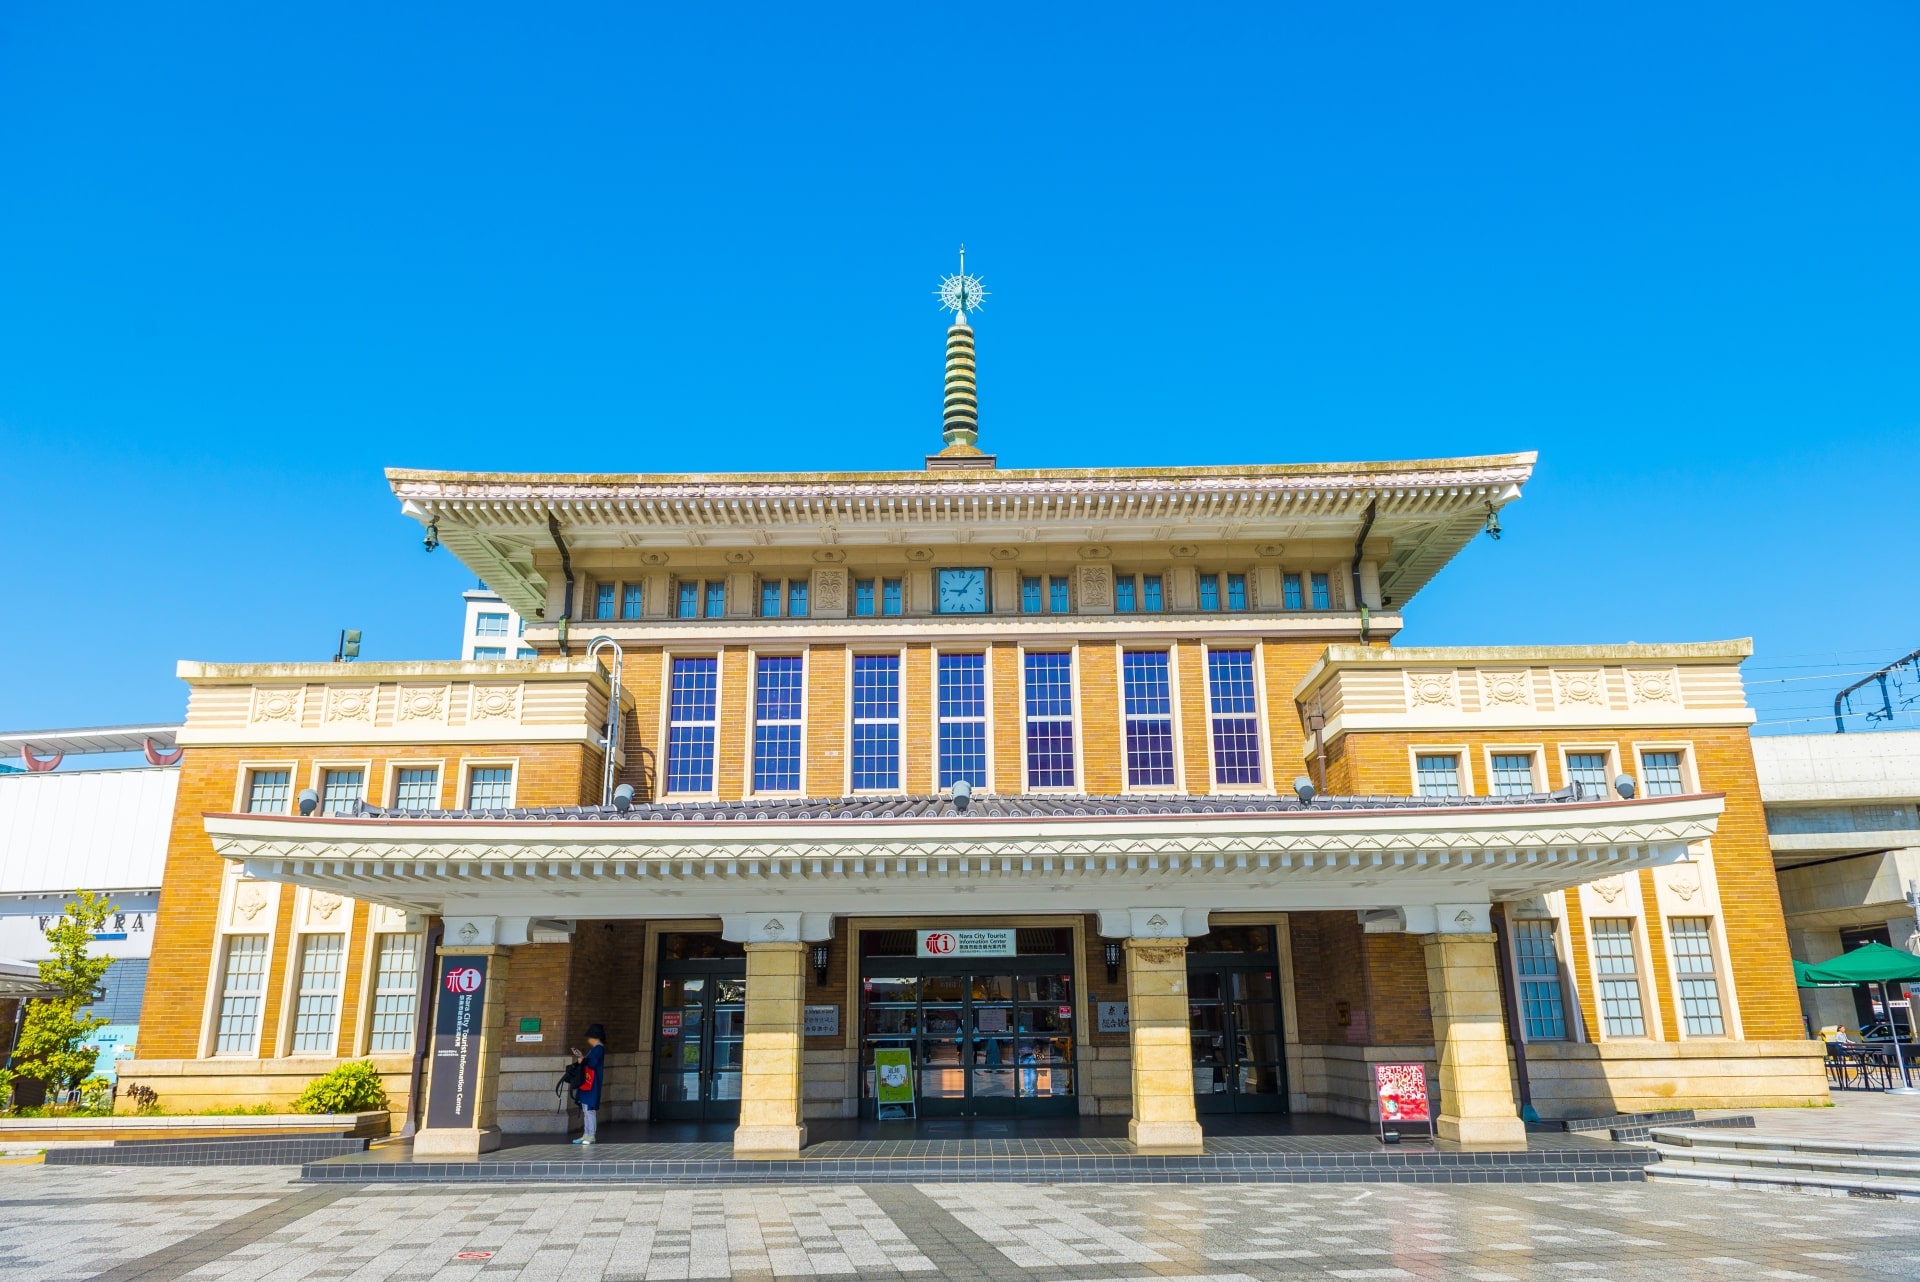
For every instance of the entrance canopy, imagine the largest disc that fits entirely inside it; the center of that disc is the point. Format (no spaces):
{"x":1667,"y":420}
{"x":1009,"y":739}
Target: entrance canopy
{"x":1002,"y":854}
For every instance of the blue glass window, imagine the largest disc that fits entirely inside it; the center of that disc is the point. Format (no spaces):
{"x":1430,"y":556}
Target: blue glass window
{"x":1148,"y":690}
{"x":341,"y":791}
{"x":963,"y":719}
{"x":876,"y":722}
{"x":776,"y":724}
{"x":490,"y":625}
{"x":1057,"y":594}
{"x":890,"y":596}
{"x":688,"y":606}
{"x":1589,"y":770}
{"x":490,"y":788}
{"x":267,"y":792}
{"x":1322,"y":595}
{"x":1541,"y":998}
{"x":603,"y":600}
{"x":526,"y":653}
{"x":1030,"y":594}
{"x":1232,"y":696}
{"x":1236,"y":592}
{"x":1050,"y":721}
{"x":770,"y":599}
{"x":1437,"y":774}
{"x":1123,"y":598}
{"x":1662,"y":771}
{"x":797,"y":598}
{"x":1150,"y":593}
{"x":1290,"y":597}
{"x":632,"y":600}
{"x":489,"y":652}
{"x":1209,"y":592}
{"x":416,"y":788}
{"x":1512,"y":774}
{"x":863,"y":597}
{"x":691,"y":708}
{"x":716,"y":598}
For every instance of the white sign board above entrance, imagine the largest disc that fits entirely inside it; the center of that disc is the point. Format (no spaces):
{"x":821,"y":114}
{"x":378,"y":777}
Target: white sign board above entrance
{"x":964,"y":943}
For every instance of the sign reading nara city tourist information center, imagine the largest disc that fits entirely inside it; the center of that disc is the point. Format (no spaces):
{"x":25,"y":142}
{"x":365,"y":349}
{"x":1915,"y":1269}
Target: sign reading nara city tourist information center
{"x":1402,"y":1091}
{"x":453,"y":1093}
{"x":965,"y":943}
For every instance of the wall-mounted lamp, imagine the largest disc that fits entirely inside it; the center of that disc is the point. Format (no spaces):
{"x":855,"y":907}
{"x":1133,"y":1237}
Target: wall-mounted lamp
{"x":1626,"y":785}
{"x":962,"y":794}
{"x":623,"y":798}
{"x":820,"y":965}
{"x":1113,"y":962}
{"x":309,"y":801}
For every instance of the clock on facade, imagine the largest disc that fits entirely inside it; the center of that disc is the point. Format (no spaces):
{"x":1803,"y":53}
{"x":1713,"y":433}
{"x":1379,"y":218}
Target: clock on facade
{"x":963,"y":591}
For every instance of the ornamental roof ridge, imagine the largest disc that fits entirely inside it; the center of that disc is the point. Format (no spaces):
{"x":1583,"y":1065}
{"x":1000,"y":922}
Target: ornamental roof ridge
{"x":1477,"y":470}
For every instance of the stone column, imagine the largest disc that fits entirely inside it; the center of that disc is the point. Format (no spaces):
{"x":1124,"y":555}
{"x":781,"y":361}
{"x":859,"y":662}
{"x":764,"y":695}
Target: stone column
{"x":1163,"y":1114}
{"x":1476,"y":1091}
{"x":770,"y":1083}
{"x":480,"y":1130}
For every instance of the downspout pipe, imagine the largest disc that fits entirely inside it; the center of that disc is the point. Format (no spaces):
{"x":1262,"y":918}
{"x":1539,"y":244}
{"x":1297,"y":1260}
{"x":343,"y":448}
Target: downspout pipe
{"x":1359,"y":544}
{"x":566,"y":568}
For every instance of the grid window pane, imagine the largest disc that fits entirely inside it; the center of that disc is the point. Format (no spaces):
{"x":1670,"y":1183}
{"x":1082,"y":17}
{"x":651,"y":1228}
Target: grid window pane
{"x":490,"y":788}
{"x":716,"y":598}
{"x":1437,"y":774}
{"x":633,"y":600}
{"x":863,"y":597}
{"x":243,"y":975}
{"x":776,"y":724}
{"x":1290,"y":596}
{"x":1613,"y":954}
{"x":1123,"y":599}
{"x":416,"y":788}
{"x":1030,"y":594}
{"x":1236,"y":723}
{"x":1512,"y":774}
{"x":1322,"y":593}
{"x":963,"y":719}
{"x":1057,"y":594}
{"x":1236,"y":592}
{"x":603,"y":600}
{"x":1589,"y":770}
{"x":1542,"y":1002}
{"x":1209,"y":592}
{"x":1662,"y":771}
{"x":316,"y":1014}
{"x":1050,"y":720}
{"x":396,"y":997}
{"x":1690,"y":940}
{"x":489,"y":652}
{"x":267,"y":792}
{"x":688,"y":605}
{"x":797,"y":598}
{"x":876,"y":722}
{"x":489,"y":625}
{"x":526,"y":653}
{"x":1147,"y":689}
{"x":341,"y":791}
{"x":890,"y":597}
{"x":1150,"y":595}
{"x":691,"y":724}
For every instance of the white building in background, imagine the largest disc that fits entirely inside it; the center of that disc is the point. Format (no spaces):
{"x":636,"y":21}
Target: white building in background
{"x":494,"y":629}
{"x":1843,"y":818}
{"x":104,"y":830}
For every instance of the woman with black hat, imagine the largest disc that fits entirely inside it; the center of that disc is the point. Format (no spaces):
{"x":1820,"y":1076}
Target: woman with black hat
{"x":588,"y":1094}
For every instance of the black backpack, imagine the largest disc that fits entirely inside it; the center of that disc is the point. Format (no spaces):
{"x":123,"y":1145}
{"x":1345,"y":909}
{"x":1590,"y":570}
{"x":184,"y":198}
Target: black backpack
{"x":571,"y":1080}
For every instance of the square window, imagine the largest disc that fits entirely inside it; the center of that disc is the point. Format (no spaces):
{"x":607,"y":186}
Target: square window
{"x":1589,"y":770}
{"x":1437,"y":774}
{"x":490,"y":625}
{"x":1029,"y":594}
{"x":1123,"y":598}
{"x":1322,"y":593}
{"x":633,"y":599}
{"x":770,"y":599}
{"x":1236,"y":592}
{"x":341,"y":791}
{"x":490,"y":788}
{"x":416,"y":788}
{"x":603,"y":600}
{"x":797,"y":598}
{"x":1662,"y":771}
{"x":526,"y":653}
{"x":268,"y":792}
{"x":890,"y":596}
{"x":716,"y":598}
{"x":1057,"y":594}
{"x":863,"y":597}
{"x":1209,"y":592}
{"x":1512,"y":774}
{"x":1150,"y":597}
{"x":688,"y":604}
{"x":489,"y":652}
{"x":1290,"y":597}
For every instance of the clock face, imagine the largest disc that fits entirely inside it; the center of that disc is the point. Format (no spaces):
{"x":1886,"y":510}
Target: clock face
{"x":963,"y":591}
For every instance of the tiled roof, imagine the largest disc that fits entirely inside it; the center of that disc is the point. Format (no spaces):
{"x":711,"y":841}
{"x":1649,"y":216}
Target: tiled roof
{"x":981,"y":807}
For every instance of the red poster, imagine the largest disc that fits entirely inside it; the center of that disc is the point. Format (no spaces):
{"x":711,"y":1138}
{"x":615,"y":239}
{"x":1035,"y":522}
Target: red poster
{"x":1402,"y":1089}
{"x":670,"y":1023}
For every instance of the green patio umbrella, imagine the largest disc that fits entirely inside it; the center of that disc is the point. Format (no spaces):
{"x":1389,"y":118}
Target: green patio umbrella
{"x":1867,"y":964}
{"x":1800,"y":979}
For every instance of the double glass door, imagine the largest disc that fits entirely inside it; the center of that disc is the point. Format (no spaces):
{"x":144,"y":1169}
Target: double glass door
{"x":1234,"y":1012}
{"x":983,"y":1045}
{"x":699,"y":1034}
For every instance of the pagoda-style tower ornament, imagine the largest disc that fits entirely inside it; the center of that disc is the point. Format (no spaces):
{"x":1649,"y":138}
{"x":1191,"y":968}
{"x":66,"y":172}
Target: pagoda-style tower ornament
{"x":960,"y":294}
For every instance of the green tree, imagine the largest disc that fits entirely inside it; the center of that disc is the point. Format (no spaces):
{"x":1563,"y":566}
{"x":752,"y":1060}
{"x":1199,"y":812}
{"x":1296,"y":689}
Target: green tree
{"x":50,"y":1047}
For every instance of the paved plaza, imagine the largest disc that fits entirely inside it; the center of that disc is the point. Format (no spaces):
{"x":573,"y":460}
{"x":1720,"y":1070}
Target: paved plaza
{"x":238,"y":1224}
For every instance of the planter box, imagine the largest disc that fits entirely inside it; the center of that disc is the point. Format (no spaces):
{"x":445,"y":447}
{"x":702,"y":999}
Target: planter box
{"x":26,"y":1131}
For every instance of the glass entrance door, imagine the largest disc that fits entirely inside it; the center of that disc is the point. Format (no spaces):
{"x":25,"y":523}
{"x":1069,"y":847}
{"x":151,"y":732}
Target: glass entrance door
{"x":983,"y":1045}
{"x":699,"y":1032}
{"x":1233,"y":1008}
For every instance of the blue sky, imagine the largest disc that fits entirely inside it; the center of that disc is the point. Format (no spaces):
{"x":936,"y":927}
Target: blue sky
{"x":251,"y":256}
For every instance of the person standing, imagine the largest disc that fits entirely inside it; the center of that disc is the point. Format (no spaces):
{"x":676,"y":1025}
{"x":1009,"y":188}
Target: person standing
{"x":592,"y":1061}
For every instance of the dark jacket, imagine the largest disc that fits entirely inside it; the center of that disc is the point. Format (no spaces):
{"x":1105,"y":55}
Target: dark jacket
{"x":589,"y":1093}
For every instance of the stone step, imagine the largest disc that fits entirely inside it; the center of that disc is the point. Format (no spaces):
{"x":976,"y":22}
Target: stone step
{"x":1826,"y":1167}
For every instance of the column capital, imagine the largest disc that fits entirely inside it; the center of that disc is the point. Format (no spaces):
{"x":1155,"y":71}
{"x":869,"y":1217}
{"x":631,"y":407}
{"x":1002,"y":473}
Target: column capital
{"x":1153,"y":923}
{"x":777,"y":928}
{"x":1463,"y":937}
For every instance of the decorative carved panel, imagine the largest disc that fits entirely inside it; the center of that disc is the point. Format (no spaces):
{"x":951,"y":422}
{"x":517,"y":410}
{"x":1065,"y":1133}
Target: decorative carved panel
{"x":1506,"y":688}
{"x":1653,"y":685}
{"x":1611,"y":888}
{"x":278,"y":704}
{"x":251,"y":901}
{"x":349,"y":703}
{"x":1431,"y":690}
{"x":830,"y":592}
{"x":1096,"y":589}
{"x":494,"y":703}
{"x":1579,"y":688}
{"x":421,"y":703}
